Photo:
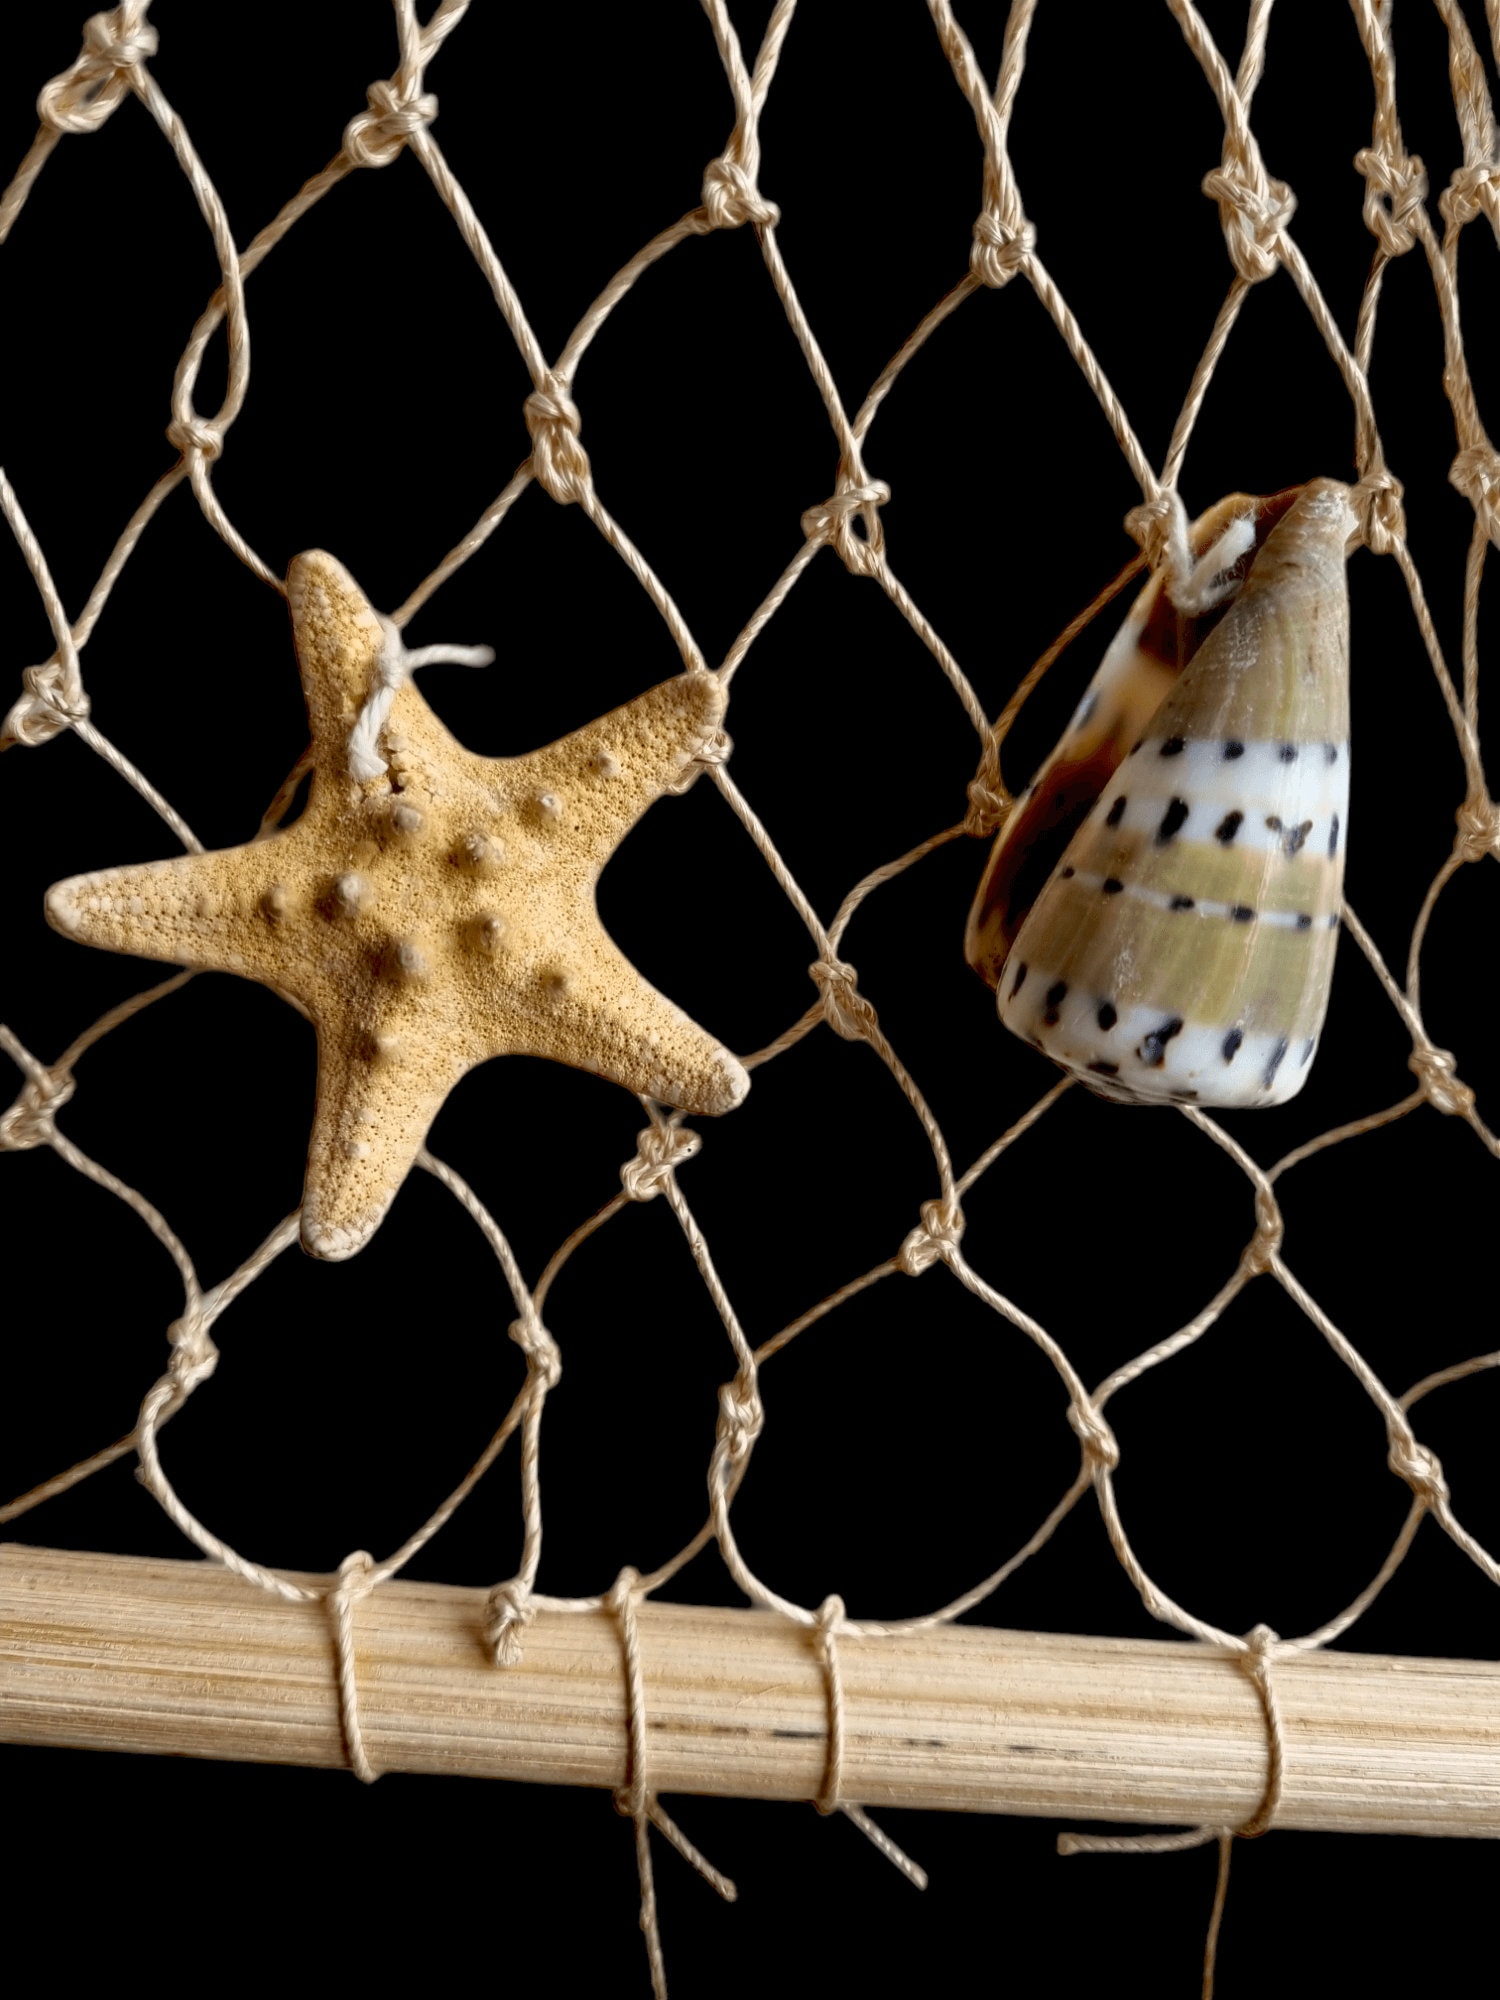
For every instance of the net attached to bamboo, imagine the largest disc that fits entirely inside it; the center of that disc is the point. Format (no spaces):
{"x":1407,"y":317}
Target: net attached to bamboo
{"x":1029,"y":1220}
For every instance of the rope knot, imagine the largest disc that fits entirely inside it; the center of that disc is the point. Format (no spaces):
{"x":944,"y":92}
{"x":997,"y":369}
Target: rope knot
{"x":1376,"y":500}
{"x":659,"y":1150}
{"x":1260,"y":1647}
{"x":397,"y":112}
{"x":1159,"y":527}
{"x":1395,"y":188}
{"x":1478,"y":828}
{"x":1100,"y":1446}
{"x":1468,"y":194}
{"x":1476,"y":474}
{"x":1000,"y":247}
{"x":1421,"y":1468}
{"x":731,"y":198}
{"x":355,"y":1573}
{"x":45,"y":708}
{"x":508,"y":1611}
{"x":1253,"y":211}
{"x":29,"y":1121}
{"x":194,"y":1354}
{"x":83,"y":96}
{"x":1437,"y":1072}
{"x":193,"y":435}
{"x":542,"y":1354}
{"x":989,"y":801}
{"x":716,"y":748}
{"x":832,"y":520}
{"x":559,"y":462}
{"x":1264,"y":1246}
{"x":845,"y":1008}
{"x":936,"y":1241}
{"x":742,"y":1415}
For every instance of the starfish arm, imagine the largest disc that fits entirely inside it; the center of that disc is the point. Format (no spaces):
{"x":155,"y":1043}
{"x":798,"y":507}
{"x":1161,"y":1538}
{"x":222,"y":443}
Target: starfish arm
{"x":339,"y":641}
{"x":219,"y":912}
{"x":587,"y":1005}
{"x":588,"y":789}
{"x":378,"y":1094}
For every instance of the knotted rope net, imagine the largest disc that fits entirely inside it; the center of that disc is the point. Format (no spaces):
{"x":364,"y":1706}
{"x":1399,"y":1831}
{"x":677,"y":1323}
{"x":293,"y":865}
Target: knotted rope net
{"x":971,"y":1233}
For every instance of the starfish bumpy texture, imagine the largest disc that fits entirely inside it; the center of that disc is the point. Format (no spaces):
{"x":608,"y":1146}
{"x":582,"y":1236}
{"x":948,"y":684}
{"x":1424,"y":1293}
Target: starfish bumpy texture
{"x":429,"y":917}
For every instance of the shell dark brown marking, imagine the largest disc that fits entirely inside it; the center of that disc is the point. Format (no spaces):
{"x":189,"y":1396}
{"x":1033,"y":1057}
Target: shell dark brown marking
{"x":1057,"y":992}
{"x":1172,"y":747}
{"x":1116,"y":812}
{"x":1288,"y":753}
{"x":1112,"y":885}
{"x":1233,"y":748}
{"x":1183,"y":903}
{"x":1275,"y":1062}
{"x":1172,"y":821}
{"x":1021,"y":971}
{"x":1228,"y":827}
{"x":1105,"y":1068}
{"x":1333,"y":836}
{"x":1107,"y":1015}
{"x":1242,"y":914}
{"x":1231,"y":1046}
{"x":1153,"y":1050}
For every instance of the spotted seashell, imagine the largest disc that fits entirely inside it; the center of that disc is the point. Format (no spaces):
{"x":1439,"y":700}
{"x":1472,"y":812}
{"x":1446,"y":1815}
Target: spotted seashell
{"x":1175,"y":940}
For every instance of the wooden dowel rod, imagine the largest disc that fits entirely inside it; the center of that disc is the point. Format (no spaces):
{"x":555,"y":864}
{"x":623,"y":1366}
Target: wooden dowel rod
{"x":117,"y":1653}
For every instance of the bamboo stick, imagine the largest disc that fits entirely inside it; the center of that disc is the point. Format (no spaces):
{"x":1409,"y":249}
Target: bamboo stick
{"x":118,"y":1653}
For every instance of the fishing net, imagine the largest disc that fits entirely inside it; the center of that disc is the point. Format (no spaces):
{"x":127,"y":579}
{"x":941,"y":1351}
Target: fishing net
{"x":944,"y":1335}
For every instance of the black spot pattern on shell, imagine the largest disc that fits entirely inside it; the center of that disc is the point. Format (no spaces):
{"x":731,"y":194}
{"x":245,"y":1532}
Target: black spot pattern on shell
{"x":1274,"y":1063}
{"x":1287,"y":753}
{"x":1021,"y":971}
{"x":1333,"y":836}
{"x":1153,"y":1050}
{"x":1234,"y":748}
{"x":1116,"y":812}
{"x":1182,"y":903}
{"x":1231,"y":1044}
{"x":1304,"y":921}
{"x":1172,"y":747}
{"x":1057,"y":992}
{"x":1105,"y":1068}
{"x":1171,"y":822}
{"x":1242,"y":913}
{"x":1106,"y":1016}
{"x":1228,"y":827}
{"x":1112,"y":885}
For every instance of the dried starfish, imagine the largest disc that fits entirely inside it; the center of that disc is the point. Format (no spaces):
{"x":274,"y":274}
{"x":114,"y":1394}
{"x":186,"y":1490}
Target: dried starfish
{"x":429,"y":909}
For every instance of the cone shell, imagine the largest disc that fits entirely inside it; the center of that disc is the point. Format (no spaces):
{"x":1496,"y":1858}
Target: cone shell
{"x":1180,"y":945}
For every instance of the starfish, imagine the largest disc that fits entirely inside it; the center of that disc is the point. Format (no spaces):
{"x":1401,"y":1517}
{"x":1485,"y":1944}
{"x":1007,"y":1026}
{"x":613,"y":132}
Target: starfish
{"x":429,"y":909}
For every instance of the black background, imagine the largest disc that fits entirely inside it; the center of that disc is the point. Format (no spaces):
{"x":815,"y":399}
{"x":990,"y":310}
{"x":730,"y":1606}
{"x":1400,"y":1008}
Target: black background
{"x":913,"y":1440}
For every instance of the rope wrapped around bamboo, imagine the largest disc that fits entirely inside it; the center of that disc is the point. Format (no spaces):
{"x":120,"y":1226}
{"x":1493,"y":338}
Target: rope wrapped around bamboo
{"x":121,"y":1653}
